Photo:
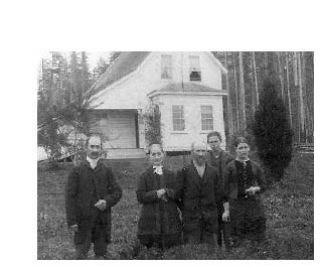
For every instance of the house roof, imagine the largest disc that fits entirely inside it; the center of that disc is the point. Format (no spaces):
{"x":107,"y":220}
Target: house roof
{"x":126,"y":63}
{"x":186,"y":88}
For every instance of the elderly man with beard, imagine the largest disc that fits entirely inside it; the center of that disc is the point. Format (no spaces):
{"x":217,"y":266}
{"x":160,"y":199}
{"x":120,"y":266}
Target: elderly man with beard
{"x":200,"y":192}
{"x":91,"y":192}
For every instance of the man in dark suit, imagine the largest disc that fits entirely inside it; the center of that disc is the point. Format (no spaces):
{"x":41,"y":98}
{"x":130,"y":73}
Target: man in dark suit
{"x":219,"y":159}
{"x":90,"y":193}
{"x":199,"y":192}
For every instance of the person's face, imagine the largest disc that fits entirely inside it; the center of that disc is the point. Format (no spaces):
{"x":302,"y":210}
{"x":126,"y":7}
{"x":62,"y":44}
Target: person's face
{"x":156,"y":156}
{"x":94,"y":148}
{"x":214,"y":142}
{"x":199,"y":153}
{"x":242,"y":150}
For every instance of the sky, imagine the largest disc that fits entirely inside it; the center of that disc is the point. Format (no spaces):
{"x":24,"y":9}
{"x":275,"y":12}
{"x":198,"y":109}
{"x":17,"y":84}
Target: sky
{"x":93,"y":57}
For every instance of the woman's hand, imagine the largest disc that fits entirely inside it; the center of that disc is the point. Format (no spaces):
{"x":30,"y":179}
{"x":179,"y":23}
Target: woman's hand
{"x":252,"y":190}
{"x":226,"y":216}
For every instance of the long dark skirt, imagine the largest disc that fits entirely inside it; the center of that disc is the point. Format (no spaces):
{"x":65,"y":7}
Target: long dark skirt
{"x":247,"y":220}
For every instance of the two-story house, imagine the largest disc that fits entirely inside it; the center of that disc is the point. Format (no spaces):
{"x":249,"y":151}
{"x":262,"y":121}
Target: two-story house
{"x":186,"y":86}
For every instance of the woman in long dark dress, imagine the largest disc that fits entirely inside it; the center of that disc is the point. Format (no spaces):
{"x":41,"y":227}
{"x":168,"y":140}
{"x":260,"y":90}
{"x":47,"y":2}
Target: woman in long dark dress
{"x":159,"y":223}
{"x":244,"y":182}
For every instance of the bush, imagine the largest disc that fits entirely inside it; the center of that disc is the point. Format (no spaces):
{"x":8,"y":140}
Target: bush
{"x":272,"y":132}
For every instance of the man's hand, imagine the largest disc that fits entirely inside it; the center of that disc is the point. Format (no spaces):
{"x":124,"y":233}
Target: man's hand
{"x":161,"y":192}
{"x":101,"y":204}
{"x":251,"y":191}
{"x":74,"y":228}
{"x":226,"y":216}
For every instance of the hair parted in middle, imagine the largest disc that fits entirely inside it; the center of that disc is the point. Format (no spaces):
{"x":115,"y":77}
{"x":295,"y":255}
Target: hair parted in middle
{"x":240,"y":140}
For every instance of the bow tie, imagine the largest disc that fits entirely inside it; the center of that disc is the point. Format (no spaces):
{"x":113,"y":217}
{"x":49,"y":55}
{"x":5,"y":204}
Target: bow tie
{"x":158,"y":170}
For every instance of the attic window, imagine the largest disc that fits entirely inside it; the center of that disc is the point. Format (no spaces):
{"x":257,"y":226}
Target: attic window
{"x":166,"y":67}
{"x":194,"y":70}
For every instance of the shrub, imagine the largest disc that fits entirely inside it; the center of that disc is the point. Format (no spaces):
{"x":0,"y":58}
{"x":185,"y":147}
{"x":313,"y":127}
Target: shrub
{"x":272,"y":132}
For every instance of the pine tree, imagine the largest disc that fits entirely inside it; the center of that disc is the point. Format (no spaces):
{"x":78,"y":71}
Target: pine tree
{"x":272,"y":132}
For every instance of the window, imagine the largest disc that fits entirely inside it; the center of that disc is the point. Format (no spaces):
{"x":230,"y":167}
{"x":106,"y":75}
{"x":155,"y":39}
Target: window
{"x":206,"y":118}
{"x":194,"y":71}
{"x":178,"y":118}
{"x":166,"y":67}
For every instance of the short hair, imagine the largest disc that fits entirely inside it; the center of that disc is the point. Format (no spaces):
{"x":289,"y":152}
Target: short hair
{"x":92,"y":136}
{"x":198,"y":142}
{"x":215,"y":133}
{"x":153,"y":144}
{"x":240,"y":140}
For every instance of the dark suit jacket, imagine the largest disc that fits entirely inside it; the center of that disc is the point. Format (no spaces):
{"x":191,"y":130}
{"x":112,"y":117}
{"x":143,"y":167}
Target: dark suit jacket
{"x":199,"y":197}
{"x":157,"y":216}
{"x":84,"y":188}
{"x":221,"y":162}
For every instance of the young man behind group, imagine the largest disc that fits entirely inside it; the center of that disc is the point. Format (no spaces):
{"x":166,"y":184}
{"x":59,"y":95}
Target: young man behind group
{"x":219,"y":159}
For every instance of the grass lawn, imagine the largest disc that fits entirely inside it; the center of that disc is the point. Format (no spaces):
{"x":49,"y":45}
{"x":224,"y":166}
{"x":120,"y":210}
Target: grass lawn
{"x":289,"y":209}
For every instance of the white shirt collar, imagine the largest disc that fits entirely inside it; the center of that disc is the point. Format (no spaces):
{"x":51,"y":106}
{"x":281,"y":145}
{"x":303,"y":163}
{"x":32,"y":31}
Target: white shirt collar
{"x":158,"y":169}
{"x":93,"y":162}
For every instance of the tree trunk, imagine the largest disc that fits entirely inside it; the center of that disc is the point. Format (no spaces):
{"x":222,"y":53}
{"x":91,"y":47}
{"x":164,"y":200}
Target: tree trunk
{"x":301,"y":103}
{"x":235,"y":77}
{"x":288,"y":90}
{"x":242,"y":96}
{"x":256,"y":89}
{"x":280,"y":74}
{"x":229,"y":106}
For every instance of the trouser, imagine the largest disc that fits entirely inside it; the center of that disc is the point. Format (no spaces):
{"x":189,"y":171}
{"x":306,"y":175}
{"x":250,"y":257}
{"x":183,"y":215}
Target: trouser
{"x":222,"y":229}
{"x":198,"y":233}
{"x":160,"y":241}
{"x":97,"y":234}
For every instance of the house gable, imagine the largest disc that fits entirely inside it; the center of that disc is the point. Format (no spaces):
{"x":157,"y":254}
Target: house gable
{"x":139,"y":73}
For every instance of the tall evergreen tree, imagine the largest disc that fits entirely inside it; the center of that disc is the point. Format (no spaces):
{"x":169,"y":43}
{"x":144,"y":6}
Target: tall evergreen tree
{"x":272,"y":132}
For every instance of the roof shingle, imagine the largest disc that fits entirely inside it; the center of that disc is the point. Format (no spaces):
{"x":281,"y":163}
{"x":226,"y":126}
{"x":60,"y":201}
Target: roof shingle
{"x":126,"y":63}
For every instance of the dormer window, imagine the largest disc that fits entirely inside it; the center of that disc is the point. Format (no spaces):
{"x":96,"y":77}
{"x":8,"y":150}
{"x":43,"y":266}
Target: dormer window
{"x":194,"y":71}
{"x":166,"y":67}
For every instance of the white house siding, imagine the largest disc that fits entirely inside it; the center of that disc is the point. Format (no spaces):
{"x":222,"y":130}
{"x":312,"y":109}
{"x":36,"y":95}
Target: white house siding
{"x":119,"y":128}
{"x":192,"y":111}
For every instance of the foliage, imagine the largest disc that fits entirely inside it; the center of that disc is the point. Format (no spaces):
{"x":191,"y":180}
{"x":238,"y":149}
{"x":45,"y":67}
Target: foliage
{"x":295,"y":71}
{"x":100,"y":68}
{"x":272,"y":131}
{"x":152,"y":118}
{"x":288,"y":206}
{"x":63,"y":99}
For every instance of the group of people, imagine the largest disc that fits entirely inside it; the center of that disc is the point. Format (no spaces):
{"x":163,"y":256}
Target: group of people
{"x":214,"y":200}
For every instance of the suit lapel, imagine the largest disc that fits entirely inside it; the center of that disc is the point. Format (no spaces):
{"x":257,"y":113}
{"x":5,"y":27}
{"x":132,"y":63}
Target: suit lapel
{"x":196,"y":179}
{"x":206,"y":174}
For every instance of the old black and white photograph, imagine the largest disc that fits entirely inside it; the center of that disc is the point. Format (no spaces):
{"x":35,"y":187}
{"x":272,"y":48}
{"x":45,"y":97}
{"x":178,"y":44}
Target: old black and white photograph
{"x":159,"y":132}
{"x":176,"y":155}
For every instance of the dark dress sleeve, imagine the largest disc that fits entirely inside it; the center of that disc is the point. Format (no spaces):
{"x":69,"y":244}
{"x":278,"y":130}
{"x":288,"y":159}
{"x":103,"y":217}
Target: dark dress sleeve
{"x":227,"y":172}
{"x":171,"y":190}
{"x":261,"y":178}
{"x":144,"y":195}
{"x":114,"y":190}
